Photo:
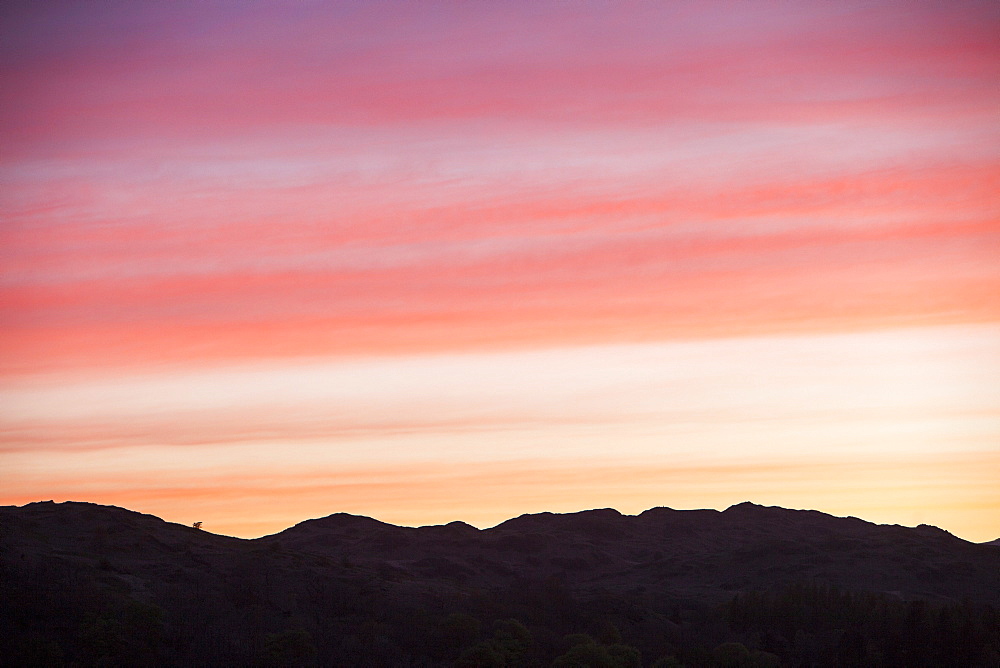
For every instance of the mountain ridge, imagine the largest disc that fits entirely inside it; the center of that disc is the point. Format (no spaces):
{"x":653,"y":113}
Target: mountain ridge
{"x":662,"y":573}
{"x":344,"y":517}
{"x":701,"y":552}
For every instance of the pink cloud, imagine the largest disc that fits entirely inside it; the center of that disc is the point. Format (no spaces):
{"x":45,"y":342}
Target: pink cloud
{"x":256,"y":69}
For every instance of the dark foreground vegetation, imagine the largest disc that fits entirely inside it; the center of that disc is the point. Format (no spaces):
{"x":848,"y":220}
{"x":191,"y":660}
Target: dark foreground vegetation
{"x":89,"y":585}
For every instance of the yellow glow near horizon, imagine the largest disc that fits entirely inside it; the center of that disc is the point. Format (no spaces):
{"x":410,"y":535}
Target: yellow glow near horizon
{"x":849,"y":420}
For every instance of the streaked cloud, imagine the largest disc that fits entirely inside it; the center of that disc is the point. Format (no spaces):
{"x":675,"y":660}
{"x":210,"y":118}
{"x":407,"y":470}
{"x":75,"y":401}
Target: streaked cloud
{"x":266,"y":251}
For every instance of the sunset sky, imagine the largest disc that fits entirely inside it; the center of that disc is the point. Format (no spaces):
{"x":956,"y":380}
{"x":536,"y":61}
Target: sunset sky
{"x":435,"y":261}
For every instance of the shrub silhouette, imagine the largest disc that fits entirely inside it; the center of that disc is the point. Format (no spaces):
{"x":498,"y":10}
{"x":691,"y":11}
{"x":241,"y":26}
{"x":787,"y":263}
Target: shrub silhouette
{"x":587,"y":652}
{"x":289,"y":649}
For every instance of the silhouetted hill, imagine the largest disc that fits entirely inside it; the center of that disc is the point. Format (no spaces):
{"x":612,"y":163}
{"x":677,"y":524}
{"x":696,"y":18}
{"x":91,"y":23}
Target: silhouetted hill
{"x":100,"y":585}
{"x":701,"y":553}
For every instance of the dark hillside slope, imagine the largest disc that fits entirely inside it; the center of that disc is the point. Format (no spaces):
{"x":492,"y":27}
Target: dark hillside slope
{"x":697,"y":553}
{"x":99,"y":585}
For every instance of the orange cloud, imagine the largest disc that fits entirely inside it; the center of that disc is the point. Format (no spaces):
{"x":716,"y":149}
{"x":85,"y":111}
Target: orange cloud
{"x":915,"y":490}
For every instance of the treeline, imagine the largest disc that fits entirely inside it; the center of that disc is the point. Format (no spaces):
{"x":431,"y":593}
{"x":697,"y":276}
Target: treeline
{"x":821,"y":625}
{"x":276,"y":608}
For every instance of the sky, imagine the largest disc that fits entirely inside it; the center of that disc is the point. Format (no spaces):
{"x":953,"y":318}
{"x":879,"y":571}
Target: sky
{"x":262,"y":262}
